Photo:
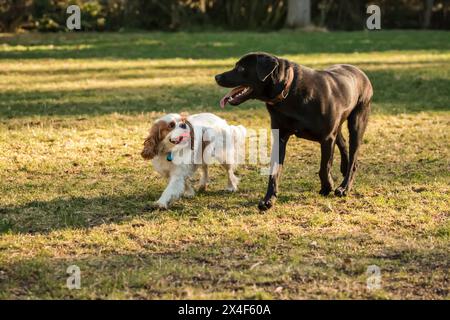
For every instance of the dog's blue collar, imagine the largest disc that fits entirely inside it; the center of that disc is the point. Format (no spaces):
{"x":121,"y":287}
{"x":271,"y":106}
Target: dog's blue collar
{"x":169,"y":156}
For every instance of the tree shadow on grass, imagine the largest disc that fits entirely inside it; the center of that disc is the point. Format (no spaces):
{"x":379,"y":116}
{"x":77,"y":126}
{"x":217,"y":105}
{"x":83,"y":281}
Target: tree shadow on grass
{"x":219,"y":45}
{"x":394,"y":92}
{"x":228,"y":264}
{"x":42,"y":217}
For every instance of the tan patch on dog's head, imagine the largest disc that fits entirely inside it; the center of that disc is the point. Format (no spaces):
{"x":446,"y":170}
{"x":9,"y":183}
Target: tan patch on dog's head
{"x":184,"y":116}
{"x":158,"y":133}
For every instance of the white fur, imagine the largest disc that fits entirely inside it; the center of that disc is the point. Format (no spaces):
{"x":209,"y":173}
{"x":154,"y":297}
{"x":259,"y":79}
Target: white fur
{"x":207,"y":127}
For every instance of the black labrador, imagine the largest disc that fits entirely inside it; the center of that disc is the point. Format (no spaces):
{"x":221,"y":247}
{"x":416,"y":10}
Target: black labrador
{"x":311,"y":104}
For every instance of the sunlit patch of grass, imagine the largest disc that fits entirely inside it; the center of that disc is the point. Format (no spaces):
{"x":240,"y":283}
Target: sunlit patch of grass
{"x":72,"y":183}
{"x":23,"y":48}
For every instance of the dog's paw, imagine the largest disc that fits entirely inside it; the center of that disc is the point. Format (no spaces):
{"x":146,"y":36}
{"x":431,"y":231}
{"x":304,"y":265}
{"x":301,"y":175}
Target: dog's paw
{"x":231,"y":189}
{"x":325,"y":191}
{"x":340,"y":192}
{"x":189,"y":194}
{"x":153,"y":206}
{"x":265,"y":205}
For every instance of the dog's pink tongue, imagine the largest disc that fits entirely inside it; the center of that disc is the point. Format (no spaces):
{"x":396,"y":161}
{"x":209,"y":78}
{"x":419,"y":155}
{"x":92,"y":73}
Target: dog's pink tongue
{"x":224,"y":100}
{"x":228,"y":96}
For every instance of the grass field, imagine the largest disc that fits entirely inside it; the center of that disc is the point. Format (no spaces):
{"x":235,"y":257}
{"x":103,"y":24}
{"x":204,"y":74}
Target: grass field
{"x":75,"y":108}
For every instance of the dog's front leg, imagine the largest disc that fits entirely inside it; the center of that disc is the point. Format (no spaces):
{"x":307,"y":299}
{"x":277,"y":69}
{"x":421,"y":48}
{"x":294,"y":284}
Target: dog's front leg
{"x":276,"y":165}
{"x":326,"y":181}
{"x":173,"y":191}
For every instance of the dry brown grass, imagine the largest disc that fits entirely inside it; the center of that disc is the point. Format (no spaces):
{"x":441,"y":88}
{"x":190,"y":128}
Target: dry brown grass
{"x":72,"y":183}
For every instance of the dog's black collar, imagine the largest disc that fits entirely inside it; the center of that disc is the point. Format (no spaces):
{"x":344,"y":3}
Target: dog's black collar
{"x":285,"y":92}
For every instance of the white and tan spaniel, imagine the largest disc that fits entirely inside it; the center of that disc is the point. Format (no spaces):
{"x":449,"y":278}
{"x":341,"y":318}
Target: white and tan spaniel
{"x":179,"y":144}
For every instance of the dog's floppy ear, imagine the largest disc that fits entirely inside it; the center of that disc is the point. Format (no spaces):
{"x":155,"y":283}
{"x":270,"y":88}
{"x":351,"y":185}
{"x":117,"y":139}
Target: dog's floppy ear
{"x":152,"y":141}
{"x":265,"y":66}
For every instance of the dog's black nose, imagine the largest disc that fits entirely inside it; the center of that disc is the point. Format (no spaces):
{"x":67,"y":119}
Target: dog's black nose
{"x":218,"y":77}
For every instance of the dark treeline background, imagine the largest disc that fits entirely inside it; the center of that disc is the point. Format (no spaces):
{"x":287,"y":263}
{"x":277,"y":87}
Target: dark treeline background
{"x":114,"y":15}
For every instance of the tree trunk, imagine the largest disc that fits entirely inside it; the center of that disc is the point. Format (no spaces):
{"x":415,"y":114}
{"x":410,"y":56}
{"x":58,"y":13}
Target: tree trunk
{"x":175,"y":19}
{"x":427,"y":14}
{"x":299,"y":13}
{"x":324,"y":7}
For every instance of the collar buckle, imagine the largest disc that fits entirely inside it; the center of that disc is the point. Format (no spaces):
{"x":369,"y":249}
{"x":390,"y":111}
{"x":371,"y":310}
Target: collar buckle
{"x":283,"y":95}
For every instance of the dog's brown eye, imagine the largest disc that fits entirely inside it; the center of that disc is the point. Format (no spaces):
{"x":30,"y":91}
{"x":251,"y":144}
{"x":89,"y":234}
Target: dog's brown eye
{"x":172,"y":125}
{"x":240,"y":69}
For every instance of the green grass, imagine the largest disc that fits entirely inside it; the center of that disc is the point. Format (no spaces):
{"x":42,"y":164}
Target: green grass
{"x":74,"y":109}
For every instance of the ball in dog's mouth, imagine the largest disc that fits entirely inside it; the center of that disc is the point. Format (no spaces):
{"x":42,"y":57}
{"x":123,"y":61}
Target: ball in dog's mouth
{"x":236,"y":96}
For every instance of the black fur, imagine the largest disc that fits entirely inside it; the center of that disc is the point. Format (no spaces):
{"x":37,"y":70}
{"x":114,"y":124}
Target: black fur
{"x":318,"y":103}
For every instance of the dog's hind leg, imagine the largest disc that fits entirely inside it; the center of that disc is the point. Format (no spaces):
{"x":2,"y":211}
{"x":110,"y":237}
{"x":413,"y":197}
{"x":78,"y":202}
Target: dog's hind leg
{"x":205,"y":178}
{"x":357,"y":123}
{"x":342,"y":146}
{"x":233,"y":181}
